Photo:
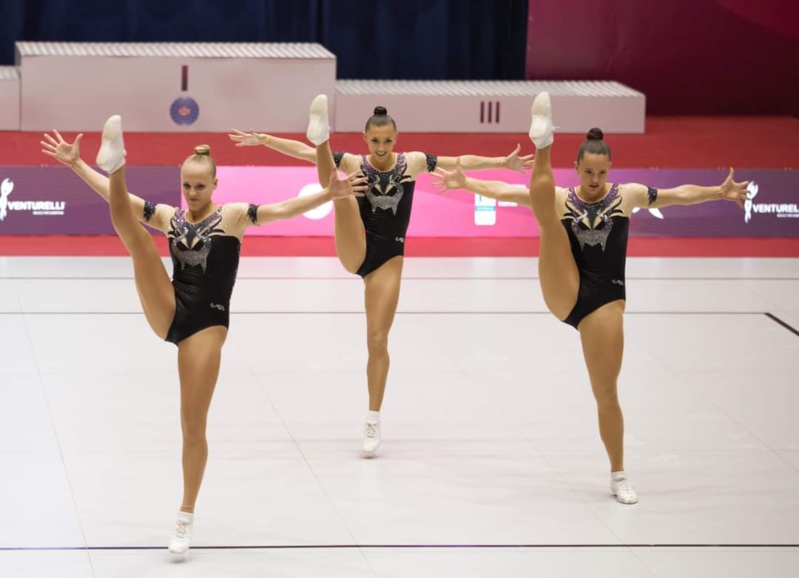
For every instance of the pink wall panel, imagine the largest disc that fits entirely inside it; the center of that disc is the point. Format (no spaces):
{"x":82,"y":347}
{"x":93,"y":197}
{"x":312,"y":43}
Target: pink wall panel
{"x":687,"y":56}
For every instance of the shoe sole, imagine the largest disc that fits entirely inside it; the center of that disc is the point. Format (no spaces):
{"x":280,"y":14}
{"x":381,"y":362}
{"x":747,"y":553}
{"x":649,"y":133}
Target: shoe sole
{"x":542,"y":104}
{"x":368,"y":454}
{"x":112,"y":130}
{"x":622,"y":502}
{"x":318,"y":114}
{"x":541,"y":112}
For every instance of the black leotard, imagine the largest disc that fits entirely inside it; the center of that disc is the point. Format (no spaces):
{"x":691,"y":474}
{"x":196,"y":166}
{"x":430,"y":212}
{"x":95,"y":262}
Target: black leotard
{"x":598,"y":236}
{"x":386,"y":207}
{"x":205,"y":259}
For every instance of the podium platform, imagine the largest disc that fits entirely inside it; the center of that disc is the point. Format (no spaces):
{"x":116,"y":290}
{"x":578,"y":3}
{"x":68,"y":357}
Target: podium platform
{"x":489,"y":106}
{"x":172,"y":87}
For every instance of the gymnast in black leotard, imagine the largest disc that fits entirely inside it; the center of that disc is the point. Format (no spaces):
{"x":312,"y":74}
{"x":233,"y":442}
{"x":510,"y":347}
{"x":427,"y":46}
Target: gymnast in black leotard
{"x":193,"y":310}
{"x":385,"y":209}
{"x":582,"y":257}
{"x":598,"y":236}
{"x":204,"y":263}
{"x":370,"y":233}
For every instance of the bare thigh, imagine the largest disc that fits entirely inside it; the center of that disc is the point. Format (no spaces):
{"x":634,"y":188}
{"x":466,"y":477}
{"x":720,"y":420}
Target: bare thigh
{"x":602,"y":337}
{"x":557,"y":271}
{"x":381,"y":296}
{"x":152,"y":281}
{"x":350,"y":233}
{"x":199,"y":359}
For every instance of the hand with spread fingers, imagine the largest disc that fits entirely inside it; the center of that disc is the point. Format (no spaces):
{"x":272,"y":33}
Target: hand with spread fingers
{"x":450,"y":179}
{"x":514,"y":162}
{"x":732,"y":191}
{"x":353,"y":185}
{"x":55,"y":146}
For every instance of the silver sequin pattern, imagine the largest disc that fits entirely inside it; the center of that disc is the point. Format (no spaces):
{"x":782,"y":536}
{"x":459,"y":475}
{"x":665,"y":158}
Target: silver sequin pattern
{"x":591,"y":223}
{"x":191,"y":244}
{"x":383,"y":183}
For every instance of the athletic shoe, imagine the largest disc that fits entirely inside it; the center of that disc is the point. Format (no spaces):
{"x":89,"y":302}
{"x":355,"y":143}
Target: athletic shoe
{"x":111,"y":157}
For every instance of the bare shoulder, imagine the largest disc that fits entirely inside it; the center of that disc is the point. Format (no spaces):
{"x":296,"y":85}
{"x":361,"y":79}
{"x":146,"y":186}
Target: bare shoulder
{"x":561,"y":193}
{"x":415,"y":157}
{"x":348,"y":162}
{"x":631,"y":188}
{"x":416,"y":161}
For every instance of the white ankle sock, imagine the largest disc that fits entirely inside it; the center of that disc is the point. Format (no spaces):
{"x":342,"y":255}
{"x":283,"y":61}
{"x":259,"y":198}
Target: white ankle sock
{"x":373,"y":416}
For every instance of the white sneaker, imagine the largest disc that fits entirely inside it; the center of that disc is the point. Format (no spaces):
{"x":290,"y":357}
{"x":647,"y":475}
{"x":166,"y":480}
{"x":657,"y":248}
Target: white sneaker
{"x":318,"y":126}
{"x":541,"y":130}
{"x":623,"y":491}
{"x":111,"y":157}
{"x":181,"y":540}
{"x":371,"y":438}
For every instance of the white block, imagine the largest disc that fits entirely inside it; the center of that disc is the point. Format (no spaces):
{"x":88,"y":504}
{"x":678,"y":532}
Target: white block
{"x":489,"y":106}
{"x":76,"y":86}
{"x":9,"y":98}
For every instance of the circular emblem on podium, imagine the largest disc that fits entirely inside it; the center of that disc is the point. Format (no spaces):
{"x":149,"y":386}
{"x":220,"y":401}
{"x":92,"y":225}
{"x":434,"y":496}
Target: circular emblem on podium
{"x":184,"y":110}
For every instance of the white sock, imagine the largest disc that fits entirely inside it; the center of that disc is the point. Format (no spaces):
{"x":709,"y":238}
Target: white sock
{"x":373,"y":416}
{"x":616,"y":476}
{"x":186,"y":516}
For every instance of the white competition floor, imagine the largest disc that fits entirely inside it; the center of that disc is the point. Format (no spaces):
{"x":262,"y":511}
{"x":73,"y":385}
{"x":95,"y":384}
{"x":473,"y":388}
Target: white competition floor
{"x":491,"y":463}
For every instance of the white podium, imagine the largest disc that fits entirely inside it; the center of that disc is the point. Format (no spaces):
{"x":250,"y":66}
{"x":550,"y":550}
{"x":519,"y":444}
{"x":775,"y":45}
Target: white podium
{"x":489,"y":106}
{"x":172,"y":87}
{"x":9,"y":98}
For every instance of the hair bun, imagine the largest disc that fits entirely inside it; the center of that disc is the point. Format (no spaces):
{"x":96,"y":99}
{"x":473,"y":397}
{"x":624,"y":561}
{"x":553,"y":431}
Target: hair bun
{"x":202,"y":150}
{"x":595,"y":134}
{"x":380,"y":111}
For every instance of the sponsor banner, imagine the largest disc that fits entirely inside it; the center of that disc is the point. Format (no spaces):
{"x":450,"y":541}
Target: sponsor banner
{"x":770,"y":212}
{"x":54,"y":201}
{"x":772,"y":209}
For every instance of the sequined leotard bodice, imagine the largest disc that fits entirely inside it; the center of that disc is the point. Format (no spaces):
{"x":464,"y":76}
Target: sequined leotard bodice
{"x":205,"y":259}
{"x":386,"y":206}
{"x":385,"y":209}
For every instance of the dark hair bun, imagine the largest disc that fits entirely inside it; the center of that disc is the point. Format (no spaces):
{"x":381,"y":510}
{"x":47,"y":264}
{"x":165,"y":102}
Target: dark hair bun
{"x":595,"y":134}
{"x":380,"y":111}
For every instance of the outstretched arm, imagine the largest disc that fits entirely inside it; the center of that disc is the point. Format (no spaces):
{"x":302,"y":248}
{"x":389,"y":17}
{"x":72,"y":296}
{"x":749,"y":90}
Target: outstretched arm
{"x":498,"y":190}
{"x":729,"y":190}
{"x":68,"y":154}
{"x":288,"y":147}
{"x":511,"y":162}
{"x":350,"y":186}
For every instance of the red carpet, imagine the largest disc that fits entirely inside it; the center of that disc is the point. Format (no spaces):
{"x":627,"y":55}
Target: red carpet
{"x":670,"y":142}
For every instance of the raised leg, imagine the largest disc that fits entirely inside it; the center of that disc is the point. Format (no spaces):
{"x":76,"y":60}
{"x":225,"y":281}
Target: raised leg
{"x":152,"y":281}
{"x":349,"y":230}
{"x":557,"y":271}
